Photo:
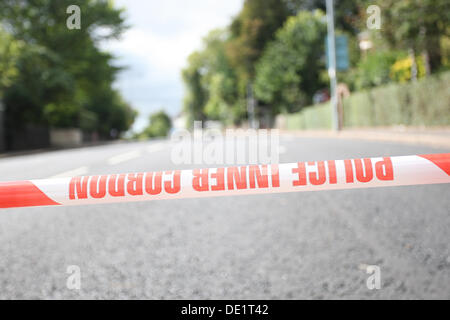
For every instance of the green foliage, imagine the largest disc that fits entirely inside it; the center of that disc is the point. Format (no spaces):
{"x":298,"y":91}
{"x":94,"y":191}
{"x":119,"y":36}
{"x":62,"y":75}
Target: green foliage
{"x":195,"y":98}
{"x":88,"y":121}
{"x":40,"y":81}
{"x":216,"y":107}
{"x":417,"y":25}
{"x":445,"y":47}
{"x":251,"y":29}
{"x":63,"y":78}
{"x":159,"y":125}
{"x":9,"y":53}
{"x":210,"y":81}
{"x":287,"y":75}
{"x":276,"y":47}
{"x":420,"y":103}
{"x":374,"y":70}
{"x":347,"y":13}
{"x":401,"y":70}
{"x":219,"y":78}
{"x":61,"y":115}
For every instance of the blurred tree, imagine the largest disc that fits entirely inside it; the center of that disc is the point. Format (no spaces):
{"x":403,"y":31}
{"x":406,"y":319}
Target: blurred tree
{"x":64,"y":78}
{"x":418,"y":25}
{"x":195,"y":97}
{"x":287,"y":76}
{"x":286,"y":67}
{"x":216,"y":107}
{"x":9,"y":54}
{"x":251,"y":29}
{"x":218,"y":77}
{"x":375,"y":69}
{"x":112,"y":113}
{"x":44,"y":22}
{"x":159,"y":125}
{"x":211,"y":81}
{"x":40,"y":81}
{"x":401,"y":70}
{"x":347,"y":13}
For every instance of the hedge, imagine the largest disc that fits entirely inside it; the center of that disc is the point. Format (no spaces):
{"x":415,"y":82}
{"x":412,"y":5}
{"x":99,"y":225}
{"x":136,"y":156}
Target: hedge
{"x":425,"y":102}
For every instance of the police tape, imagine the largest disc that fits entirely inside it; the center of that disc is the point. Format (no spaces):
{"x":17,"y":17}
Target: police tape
{"x":236,"y":180}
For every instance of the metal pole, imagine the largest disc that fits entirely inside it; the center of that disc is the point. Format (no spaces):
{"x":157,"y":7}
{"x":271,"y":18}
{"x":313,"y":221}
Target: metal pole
{"x":332,"y":63}
{"x":2,"y":136}
{"x":251,"y":107}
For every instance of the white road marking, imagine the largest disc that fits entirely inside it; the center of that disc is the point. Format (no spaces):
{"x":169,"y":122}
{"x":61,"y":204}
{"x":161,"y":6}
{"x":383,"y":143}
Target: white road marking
{"x":282,"y":149}
{"x":156,"y":147}
{"x":123,"y":157}
{"x":71,"y":173}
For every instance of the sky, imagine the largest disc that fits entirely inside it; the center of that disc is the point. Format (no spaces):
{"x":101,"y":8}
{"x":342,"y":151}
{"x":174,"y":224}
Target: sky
{"x":155,"y":48}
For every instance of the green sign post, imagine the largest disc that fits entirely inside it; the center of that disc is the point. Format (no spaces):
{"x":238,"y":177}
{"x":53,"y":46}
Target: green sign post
{"x":342,"y":61}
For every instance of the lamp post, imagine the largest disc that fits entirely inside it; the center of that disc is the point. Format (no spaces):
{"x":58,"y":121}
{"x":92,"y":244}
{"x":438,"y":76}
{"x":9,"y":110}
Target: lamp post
{"x":2,"y":137}
{"x":332,"y":64}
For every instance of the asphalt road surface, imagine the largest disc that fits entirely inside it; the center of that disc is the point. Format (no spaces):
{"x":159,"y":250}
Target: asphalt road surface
{"x":308,"y":245}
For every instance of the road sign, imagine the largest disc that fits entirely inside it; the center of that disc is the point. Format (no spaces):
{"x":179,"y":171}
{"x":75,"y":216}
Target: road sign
{"x":341,"y":43}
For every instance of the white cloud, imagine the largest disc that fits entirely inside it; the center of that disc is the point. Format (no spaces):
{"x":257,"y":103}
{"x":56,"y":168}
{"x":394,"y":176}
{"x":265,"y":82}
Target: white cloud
{"x":155,"y":48}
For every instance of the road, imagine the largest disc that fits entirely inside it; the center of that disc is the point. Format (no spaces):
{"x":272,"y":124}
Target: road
{"x":309,"y":245}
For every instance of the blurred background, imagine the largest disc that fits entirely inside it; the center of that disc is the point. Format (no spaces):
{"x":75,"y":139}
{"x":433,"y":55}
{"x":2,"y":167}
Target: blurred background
{"x":136,"y":69}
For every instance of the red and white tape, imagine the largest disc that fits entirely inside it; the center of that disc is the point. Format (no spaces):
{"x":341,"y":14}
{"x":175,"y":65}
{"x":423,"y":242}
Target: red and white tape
{"x":241,"y":180}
